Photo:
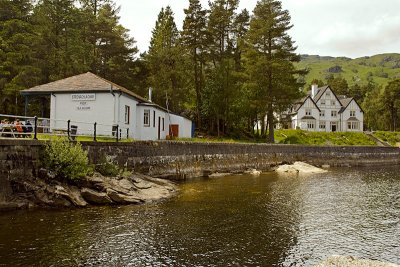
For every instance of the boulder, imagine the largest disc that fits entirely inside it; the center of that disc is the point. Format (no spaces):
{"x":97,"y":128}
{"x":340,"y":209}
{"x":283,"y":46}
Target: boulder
{"x":72,"y":194}
{"x":253,"y":172}
{"x":299,"y":167}
{"x":123,"y":199}
{"x":219,"y":174}
{"x":349,"y":261}
{"x":95,"y":197}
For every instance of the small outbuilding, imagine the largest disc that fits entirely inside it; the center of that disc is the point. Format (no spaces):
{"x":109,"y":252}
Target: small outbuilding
{"x":86,"y":99}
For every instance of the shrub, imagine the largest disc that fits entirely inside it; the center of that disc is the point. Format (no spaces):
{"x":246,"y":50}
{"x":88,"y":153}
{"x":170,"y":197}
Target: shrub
{"x":66,"y":160}
{"x":106,"y":166}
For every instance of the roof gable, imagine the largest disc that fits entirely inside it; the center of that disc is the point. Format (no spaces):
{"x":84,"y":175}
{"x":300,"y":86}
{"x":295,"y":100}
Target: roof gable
{"x":346,"y":103}
{"x":86,"y":82}
{"x":321,"y":92}
{"x":299,"y":106}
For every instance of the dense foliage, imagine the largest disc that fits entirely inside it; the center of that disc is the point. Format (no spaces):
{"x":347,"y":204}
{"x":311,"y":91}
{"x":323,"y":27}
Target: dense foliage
{"x":226,"y":69}
{"x":66,"y":160}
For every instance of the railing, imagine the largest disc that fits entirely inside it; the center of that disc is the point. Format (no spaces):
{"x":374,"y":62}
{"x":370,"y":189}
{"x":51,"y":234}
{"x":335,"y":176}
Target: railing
{"x":12,"y":126}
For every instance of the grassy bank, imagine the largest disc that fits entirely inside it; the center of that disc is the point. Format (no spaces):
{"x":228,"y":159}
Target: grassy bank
{"x":392,"y":138}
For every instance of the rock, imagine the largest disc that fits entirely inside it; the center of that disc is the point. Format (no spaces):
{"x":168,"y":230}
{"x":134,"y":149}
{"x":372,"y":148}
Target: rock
{"x":8,"y":206}
{"x":95,"y":197}
{"x":217,"y":174}
{"x":349,"y":261}
{"x":72,"y":194}
{"x":325,"y":166}
{"x":123,"y":199}
{"x":253,"y":172}
{"x":299,"y":167}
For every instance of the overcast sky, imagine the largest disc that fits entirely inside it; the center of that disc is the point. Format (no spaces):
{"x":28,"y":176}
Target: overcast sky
{"x":351,"y":28}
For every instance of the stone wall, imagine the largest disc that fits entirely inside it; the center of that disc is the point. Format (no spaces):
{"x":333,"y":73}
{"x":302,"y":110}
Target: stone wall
{"x":180,"y":160}
{"x":185,"y":159}
{"x":18,"y":159}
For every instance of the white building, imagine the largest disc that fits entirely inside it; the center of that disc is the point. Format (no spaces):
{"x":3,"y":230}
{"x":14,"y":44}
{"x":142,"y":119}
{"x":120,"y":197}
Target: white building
{"x":86,"y":99}
{"x":322,"y":110}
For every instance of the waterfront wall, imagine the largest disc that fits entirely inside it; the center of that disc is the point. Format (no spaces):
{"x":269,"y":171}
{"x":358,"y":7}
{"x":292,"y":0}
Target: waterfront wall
{"x":181,"y":160}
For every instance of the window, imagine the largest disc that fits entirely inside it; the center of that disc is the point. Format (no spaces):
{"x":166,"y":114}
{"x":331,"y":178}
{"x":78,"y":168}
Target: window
{"x":353,"y":125}
{"x":154,"y":118}
{"x":323,"y":102}
{"x":163,"y":126}
{"x":328,"y":94}
{"x":308,"y":112}
{"x":127,"y":114}
{"x":322,"y":125}
{"x":352,"y":113}
{"x":333,"y":102}
{"x":146,"y":118}
{"x":310,"y":125}
{"x":334,"y":113}
{"x":322,"y":113}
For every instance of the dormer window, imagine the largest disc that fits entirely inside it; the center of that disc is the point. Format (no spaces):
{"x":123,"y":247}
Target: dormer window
{"x":308,"y":112}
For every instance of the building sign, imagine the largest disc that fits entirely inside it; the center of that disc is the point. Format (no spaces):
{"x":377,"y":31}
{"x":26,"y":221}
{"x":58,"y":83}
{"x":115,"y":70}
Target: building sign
{"x":83,"y":97}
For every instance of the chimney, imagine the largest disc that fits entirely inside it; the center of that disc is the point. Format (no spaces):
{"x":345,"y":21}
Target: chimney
{"x":314,"y":90}
{"x":150,"y":93}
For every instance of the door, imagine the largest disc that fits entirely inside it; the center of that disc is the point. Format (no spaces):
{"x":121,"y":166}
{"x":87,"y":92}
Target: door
{"x":333,"y":126}
{"x":174,"y":130}
{"x":159,"y":128}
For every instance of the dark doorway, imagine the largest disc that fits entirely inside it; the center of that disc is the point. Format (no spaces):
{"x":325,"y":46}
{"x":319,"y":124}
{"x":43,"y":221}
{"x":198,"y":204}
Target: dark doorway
{"x":333,"y":128}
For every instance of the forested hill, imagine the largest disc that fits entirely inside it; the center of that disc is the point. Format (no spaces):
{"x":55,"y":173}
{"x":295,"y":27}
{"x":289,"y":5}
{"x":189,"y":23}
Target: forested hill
{"x":379,"y":68}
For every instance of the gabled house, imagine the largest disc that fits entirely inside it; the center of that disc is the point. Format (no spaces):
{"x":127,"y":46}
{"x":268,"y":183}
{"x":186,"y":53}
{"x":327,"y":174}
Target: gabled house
{"x":86,"y":99}
{"x":324,"y":111}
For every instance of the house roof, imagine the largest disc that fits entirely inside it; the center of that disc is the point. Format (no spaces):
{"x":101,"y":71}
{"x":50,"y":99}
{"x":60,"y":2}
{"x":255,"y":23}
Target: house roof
{"x":321,"y":91}
{"x":345,"y":103}
{"x":352,"y":119}
{"x":308,"y":118}
{"x":86,"y":82}
{"x":301,"y":102}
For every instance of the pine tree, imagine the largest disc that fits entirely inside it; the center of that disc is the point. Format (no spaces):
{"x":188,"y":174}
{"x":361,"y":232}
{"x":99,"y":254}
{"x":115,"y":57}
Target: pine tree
{"x":270,"y":56}
{"x":17,"y":44}
{"x":194,"y":38}
{"x":166,"y":63}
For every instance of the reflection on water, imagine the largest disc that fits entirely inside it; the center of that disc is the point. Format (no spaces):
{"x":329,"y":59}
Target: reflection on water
{"x":231,"y":221}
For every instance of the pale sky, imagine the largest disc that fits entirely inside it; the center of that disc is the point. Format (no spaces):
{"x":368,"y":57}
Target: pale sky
{"x":351,"y":28}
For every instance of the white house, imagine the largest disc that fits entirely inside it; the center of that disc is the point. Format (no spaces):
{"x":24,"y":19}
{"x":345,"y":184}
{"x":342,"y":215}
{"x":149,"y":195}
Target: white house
{"x":322,"y":110}
{"x":86,"y":99}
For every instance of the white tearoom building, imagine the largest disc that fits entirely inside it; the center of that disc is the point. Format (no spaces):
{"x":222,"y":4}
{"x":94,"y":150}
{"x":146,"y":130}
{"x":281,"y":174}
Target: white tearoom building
{"x":324,"y":111}
{"x":87,"y":98}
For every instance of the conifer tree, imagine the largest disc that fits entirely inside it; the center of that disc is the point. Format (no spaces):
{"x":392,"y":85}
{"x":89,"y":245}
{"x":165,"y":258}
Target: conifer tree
{"x":194,"y":38}
{"x":270,"y":56}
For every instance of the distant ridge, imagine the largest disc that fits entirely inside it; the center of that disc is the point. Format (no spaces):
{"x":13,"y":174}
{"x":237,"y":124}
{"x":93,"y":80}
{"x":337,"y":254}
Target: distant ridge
{"x":379,"y":68}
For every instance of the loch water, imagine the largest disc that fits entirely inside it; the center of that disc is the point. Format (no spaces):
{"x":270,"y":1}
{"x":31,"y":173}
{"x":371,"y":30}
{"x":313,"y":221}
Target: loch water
{"x":240,"y":220}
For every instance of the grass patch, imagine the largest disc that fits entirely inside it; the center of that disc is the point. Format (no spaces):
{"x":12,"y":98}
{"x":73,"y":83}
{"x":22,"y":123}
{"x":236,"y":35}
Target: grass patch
{"x":392,"y":138}
{"x":323,"y":138}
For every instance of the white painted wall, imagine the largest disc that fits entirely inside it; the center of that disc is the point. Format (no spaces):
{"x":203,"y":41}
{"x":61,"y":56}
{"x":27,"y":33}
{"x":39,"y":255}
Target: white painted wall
{"x":185,"y":125}
{"x":151,"y":132}
{"x":346,"y":116}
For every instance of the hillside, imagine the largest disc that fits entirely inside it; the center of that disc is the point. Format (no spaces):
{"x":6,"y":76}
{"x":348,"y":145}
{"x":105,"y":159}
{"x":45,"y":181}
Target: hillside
{"x":381,"y":68}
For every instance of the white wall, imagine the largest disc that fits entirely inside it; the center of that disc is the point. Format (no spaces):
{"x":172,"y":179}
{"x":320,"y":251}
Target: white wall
{"x":82,"y":113}
{"x":346,"y":115}
{"x":308,"y":105}
{"x":185,"y":125}
{"x":151,"y":132}
{"x":122,"y":101}
{"x":328,"y":97}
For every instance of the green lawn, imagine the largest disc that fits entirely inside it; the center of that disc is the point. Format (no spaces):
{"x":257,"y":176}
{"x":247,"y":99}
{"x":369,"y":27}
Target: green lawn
{"x":392,"y":138}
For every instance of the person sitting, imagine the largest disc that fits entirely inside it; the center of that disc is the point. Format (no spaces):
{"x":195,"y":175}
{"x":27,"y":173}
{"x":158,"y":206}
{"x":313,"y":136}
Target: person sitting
{"x":18,"y":127}
{"x":28,"y":128}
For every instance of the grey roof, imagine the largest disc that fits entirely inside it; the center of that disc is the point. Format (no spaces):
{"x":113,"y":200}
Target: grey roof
{"x":301,"y":102}
{"x":345,"y":103}
{"x":86,"y":82}
{"x":321,"y":91}
{"x":352,"y":119}
{"x":308,"y":118}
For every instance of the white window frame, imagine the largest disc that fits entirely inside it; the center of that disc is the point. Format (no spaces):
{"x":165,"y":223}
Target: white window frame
{"x":352,"y":113}
{"x":333,"y":113}
{"x":310,"y":124}
{"x":322,"y":113}
{"x":308,"y":112}
{"x":322,"y":125}
{"x":146,"y":118}
{"x":353,"y":125}
{"x":323,"y":102}
{"x":333,"y":103}
{"x":328,"y":94}
{"x":127,"y":114}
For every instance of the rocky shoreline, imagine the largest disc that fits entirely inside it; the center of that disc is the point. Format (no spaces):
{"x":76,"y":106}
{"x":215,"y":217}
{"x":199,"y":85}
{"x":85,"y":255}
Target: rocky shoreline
{"x":91,"y":191}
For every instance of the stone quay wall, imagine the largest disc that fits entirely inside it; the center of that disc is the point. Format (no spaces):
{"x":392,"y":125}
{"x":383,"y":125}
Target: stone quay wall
{"x":182,"y":160}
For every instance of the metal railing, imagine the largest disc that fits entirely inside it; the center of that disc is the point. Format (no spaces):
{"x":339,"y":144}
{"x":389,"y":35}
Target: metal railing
{"x":12,"y":126}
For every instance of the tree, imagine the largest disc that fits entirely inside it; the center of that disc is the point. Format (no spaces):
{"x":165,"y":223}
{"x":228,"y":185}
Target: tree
{"x":166,"y":63}
{"x":391,"y":100}
{"x":270,"y":56}
{"x":339,"y":85}
{"x":17,"y":53}
{"x":194,"y":38}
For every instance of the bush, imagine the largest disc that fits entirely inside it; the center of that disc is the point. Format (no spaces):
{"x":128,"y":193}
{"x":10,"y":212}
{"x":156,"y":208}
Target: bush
{"x":106,"y":166}
{"x":66,"y":160}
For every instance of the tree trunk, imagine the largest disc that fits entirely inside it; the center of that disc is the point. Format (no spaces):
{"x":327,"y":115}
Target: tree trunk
{"x":271,"y":138}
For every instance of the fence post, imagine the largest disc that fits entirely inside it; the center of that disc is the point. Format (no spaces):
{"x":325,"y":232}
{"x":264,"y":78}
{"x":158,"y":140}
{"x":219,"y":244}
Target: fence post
{"x":35,"y":134}
{"x":116,"y":132}
{"x":127,"y":133}
{"x":95,"y":132}
{"x":68,"y":131}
